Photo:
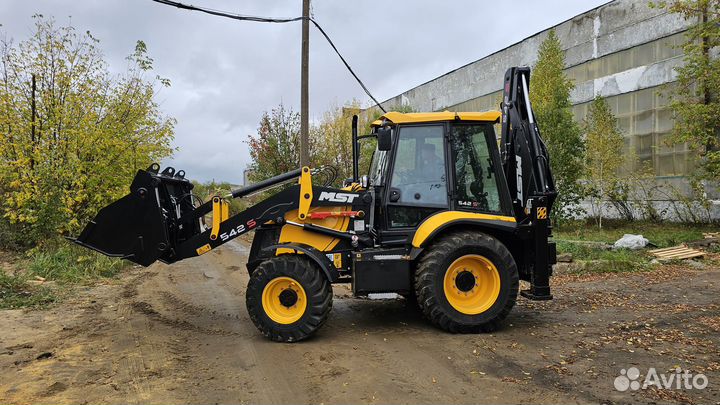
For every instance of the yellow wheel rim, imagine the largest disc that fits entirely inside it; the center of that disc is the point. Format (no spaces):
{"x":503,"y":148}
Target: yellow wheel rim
{"x":472,"y":284}
{"x":284,"y":300}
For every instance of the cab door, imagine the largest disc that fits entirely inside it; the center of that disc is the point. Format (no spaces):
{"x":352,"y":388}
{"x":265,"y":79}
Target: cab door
{"x":478,"y":182}
{"x":417,"y":185}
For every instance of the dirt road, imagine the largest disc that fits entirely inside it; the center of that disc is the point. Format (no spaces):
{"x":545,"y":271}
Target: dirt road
{"x":181,"y":334}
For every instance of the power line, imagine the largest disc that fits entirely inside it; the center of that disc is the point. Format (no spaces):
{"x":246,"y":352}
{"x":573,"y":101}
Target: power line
{"x":220,"y":13}
{"x":322,"y":31}
{"x":251,"y":18}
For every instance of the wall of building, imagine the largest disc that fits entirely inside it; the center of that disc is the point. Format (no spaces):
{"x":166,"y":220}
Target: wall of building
{"x":610,"y":28}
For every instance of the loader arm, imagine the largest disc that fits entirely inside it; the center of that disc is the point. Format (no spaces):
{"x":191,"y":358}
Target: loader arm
{"x":155,"y":222}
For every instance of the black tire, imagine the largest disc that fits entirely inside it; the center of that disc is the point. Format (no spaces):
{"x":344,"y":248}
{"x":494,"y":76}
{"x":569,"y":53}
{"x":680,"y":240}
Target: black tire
{"x":317,"y":289}
{"x":430,"y":275}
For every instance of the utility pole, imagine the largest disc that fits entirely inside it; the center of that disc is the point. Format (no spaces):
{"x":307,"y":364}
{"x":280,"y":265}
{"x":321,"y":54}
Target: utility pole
{"x":304,"y":126}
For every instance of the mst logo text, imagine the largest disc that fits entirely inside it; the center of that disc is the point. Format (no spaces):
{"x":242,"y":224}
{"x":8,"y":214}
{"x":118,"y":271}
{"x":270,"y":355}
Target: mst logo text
{"x":337,"y":197}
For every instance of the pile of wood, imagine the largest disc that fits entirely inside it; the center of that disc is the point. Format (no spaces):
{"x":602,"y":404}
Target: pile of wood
{"x":680,"y":252}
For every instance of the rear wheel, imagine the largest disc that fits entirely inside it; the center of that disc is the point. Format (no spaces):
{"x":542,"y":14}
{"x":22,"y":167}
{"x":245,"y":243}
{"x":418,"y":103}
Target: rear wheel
{"x":288,"y":298}
{"x":466,"y":282}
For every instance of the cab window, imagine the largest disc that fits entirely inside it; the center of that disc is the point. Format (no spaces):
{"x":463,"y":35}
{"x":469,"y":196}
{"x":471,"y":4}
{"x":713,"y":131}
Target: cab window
{"x":419,"y":170}
{"x":418,"y":186}
{"x":475,"y":181}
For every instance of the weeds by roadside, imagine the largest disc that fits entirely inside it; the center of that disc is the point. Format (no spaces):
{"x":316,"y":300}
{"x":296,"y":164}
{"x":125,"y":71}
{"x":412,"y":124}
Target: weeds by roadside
{"x":71,"y":264}
{"x":16,"y":292}
{"x":38,"y":277}
{"x":596,"y":258}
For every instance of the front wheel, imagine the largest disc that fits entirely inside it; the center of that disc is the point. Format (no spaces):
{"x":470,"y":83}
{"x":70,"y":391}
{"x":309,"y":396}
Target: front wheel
{"x":288,"y":298}
{"x":466,"y":282}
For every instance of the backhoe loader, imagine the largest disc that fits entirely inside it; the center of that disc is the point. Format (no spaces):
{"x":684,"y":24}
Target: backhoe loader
{"x":446,"y":215}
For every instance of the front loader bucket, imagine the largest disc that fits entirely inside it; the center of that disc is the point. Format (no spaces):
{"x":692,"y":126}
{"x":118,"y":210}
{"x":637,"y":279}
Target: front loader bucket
{"x":140,"y":226}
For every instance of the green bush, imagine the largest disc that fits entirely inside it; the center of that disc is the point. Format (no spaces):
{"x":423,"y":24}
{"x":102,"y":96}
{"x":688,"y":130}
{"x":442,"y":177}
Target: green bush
{"x":79,"y":146}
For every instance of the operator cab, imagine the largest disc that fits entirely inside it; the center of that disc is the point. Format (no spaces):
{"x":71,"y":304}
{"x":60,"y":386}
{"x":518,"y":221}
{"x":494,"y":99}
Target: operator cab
{"x":411,"y":176}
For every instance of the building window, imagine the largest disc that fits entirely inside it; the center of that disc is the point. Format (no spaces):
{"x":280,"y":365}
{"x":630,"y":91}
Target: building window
{"x":646,"y":122}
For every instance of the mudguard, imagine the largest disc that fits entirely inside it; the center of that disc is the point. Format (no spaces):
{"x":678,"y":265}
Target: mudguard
{"x":313,"y":254}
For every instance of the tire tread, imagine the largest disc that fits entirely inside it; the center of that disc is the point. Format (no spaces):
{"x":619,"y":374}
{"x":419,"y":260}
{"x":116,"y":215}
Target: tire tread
{"x":431,"y":263}
{"x":317,"y":289}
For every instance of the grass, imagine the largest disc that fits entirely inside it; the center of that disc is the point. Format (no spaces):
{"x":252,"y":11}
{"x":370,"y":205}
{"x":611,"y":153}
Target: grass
{"x":16,"y":292}
{"x":596,"y":259}
{"x":72,"y":264}
{"x":661,"y":235}
{"x":588,"y":244}
{"x":60,"y":265}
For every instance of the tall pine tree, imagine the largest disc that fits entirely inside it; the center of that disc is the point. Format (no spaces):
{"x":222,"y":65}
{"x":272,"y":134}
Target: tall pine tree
{"x":550,"y":94}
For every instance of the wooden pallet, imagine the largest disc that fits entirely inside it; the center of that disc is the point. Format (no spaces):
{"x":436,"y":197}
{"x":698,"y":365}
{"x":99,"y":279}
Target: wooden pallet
{"x":676,"y":253}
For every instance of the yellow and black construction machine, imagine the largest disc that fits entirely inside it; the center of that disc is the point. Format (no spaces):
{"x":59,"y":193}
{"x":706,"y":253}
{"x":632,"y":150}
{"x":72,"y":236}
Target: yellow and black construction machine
{"x":446,"y":215}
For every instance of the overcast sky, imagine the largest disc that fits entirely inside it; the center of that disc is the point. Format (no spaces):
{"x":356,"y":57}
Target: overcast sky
{"x":225,"y":73}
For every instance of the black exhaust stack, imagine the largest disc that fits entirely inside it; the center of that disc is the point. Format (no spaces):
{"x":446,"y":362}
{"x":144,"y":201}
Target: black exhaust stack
{"x":355,"y":149}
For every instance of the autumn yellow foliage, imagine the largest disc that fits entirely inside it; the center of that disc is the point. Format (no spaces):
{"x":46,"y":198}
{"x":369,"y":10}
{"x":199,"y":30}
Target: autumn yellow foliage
{"x":73,"y":134}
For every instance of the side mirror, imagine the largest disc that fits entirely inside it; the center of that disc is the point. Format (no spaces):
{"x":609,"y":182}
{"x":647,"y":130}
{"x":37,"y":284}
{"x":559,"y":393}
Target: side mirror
{"x":364,"y":182}
{"x":384,"y":138}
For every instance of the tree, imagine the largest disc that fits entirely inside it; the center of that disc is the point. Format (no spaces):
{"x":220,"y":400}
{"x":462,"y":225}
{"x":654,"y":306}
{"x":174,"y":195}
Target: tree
{"x":73,"y":135}
{"x":332,"y":139}
{"x":604,"y":156}
{"x":550,"y":94}
{"x":275,"y":149}
{"x":203,"y":192}
{"x":695,"y":101}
